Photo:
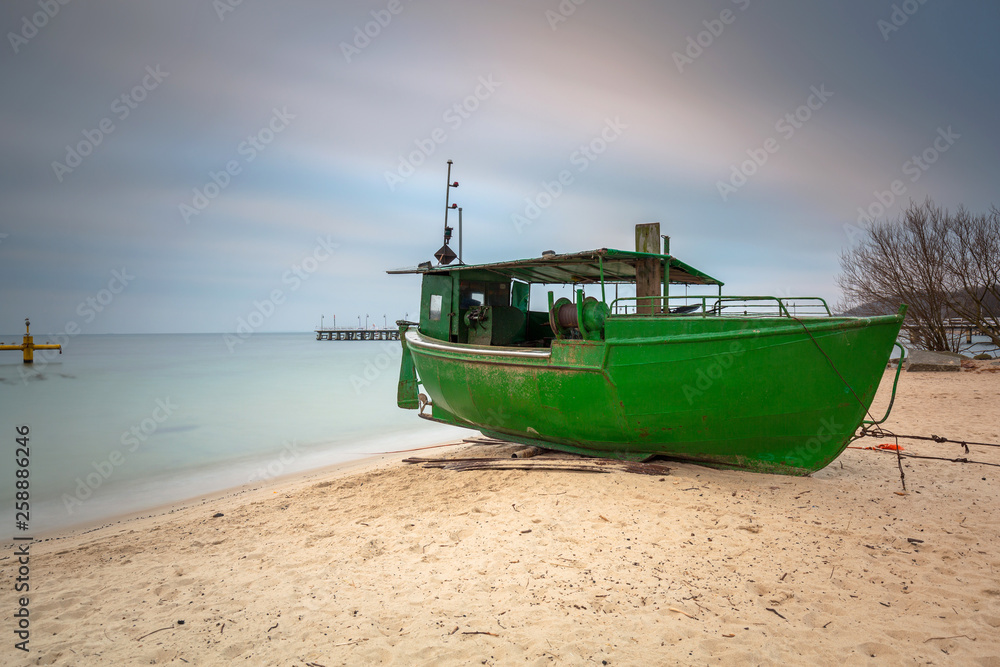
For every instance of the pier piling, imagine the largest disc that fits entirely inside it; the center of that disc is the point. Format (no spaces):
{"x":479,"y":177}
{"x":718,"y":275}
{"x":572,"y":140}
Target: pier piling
{"x":357,"y":334}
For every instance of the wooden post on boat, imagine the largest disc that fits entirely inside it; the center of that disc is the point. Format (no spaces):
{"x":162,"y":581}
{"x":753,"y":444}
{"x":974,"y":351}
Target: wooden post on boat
{"x":647,"y":271}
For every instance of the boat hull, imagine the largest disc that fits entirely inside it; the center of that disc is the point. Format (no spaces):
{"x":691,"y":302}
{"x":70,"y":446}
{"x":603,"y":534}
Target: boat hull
{"x":779,"y":395}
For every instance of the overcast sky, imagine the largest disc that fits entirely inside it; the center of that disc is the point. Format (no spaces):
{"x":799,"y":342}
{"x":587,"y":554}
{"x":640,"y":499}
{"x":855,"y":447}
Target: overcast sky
{"x":176,"y":166}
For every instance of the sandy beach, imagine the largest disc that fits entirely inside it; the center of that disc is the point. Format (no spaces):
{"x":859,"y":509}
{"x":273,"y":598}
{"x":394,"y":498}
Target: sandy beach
{"x":382,"y":562}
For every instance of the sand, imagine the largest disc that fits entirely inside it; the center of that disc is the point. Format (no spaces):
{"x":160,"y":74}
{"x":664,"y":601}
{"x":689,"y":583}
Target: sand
{"x":390,"y":563}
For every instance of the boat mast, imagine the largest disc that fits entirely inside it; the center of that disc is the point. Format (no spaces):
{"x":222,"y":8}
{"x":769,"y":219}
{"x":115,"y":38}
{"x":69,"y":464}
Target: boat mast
{"x":446,"y":255}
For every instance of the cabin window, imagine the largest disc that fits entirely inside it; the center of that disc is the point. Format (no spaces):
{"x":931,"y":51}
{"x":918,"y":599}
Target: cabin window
{"x":435,"y":307}
{"x":473,"y":298}
{"x":482,"y":293}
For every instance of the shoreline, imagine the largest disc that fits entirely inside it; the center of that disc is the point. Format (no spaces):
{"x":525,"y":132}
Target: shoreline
{"x":294,"y":480}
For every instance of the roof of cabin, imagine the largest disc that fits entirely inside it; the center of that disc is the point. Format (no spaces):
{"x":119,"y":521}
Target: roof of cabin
{"x":578,"y":268}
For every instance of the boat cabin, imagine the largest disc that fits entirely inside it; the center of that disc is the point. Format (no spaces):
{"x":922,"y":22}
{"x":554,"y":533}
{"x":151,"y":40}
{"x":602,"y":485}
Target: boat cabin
{"x":490,"y":304}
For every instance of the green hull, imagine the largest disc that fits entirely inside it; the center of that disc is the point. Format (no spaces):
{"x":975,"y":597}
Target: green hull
{"x":779,"y":395}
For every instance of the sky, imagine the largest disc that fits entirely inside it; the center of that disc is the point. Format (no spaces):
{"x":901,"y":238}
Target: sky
{"x":178,"y":167}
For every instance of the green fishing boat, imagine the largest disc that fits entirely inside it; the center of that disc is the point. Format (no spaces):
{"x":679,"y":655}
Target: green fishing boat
{"x":766,"y":384}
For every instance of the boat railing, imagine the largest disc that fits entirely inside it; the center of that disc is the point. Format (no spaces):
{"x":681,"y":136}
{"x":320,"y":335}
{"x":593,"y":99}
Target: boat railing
{"x":721,"y":306}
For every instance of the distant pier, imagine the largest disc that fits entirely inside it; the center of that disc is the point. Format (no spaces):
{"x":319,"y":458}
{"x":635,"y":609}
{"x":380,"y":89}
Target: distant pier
{"x":963,"y":327}
{"x":357,"y":334}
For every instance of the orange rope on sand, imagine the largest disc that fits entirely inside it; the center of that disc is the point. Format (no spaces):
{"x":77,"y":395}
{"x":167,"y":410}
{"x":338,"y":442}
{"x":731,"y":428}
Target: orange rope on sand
{"x":893,"y":448}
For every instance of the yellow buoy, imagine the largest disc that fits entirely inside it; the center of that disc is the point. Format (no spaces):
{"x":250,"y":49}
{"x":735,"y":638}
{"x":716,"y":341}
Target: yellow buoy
{"x":28,"y":346}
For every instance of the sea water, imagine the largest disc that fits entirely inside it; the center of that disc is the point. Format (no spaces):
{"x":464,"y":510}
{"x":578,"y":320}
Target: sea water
{"x":119,"y":423}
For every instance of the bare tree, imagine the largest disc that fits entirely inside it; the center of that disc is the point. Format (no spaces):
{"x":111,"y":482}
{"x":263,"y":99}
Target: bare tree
{"x":943,"y":266}
{"x":972,"y":261}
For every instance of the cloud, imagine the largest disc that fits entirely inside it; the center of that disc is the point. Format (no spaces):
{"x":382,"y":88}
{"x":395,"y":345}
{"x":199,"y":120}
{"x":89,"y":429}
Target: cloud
{"x":355,"y":121}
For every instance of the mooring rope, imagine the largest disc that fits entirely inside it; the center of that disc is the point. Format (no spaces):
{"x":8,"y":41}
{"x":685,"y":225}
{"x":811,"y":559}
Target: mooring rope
{"x":941,"y":458}
{"x":874,"y":422}
{"x":833,"y":366}
{"x":874,"y":430}
{"x":879,"y":432}
{"x":938,"y":438}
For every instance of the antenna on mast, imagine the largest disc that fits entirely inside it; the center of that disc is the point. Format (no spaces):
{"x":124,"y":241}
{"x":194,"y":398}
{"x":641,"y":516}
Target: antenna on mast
{"x":446,"y":255}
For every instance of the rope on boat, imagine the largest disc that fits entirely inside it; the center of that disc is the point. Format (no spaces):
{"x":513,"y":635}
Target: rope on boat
{"x":835,"y":370}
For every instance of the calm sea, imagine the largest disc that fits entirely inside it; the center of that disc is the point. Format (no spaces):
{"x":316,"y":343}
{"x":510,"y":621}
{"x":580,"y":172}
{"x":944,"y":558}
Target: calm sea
{"x":122,"y":423}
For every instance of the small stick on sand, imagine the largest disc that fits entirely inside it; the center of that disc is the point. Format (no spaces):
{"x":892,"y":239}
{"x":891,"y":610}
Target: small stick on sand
{"x":154,"y":632}
{"x":353,"y":641}
{"x":680,"y":611}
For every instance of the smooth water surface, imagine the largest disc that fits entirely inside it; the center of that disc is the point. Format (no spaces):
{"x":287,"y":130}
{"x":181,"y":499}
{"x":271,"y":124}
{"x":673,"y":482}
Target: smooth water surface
{"x":121,"y":423}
